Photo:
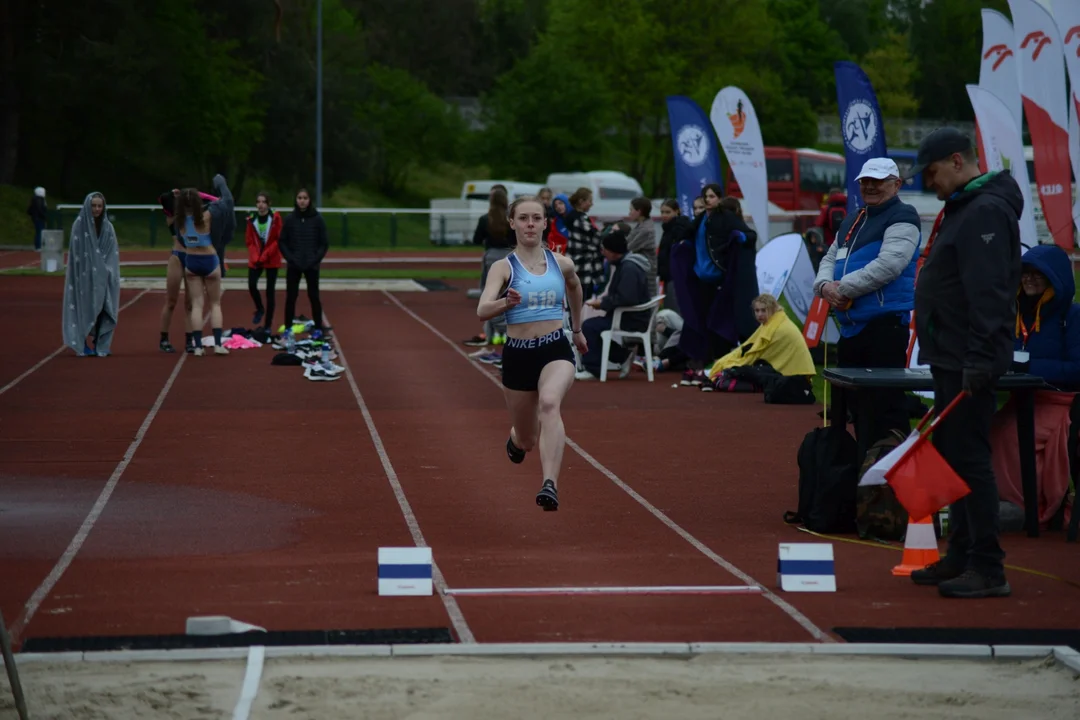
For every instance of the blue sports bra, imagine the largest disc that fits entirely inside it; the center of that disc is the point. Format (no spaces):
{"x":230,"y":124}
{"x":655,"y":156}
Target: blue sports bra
{"x":192,"y":237}
{"x":541,"y":295}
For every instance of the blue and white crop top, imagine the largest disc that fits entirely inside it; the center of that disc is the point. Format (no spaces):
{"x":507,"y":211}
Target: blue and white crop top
{"x":541,"y":295}
{"x":192,"y":237}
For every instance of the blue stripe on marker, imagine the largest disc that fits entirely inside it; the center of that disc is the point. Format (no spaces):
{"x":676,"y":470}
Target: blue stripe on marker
{"x":404,"y":572}
{"x":807,"y":567}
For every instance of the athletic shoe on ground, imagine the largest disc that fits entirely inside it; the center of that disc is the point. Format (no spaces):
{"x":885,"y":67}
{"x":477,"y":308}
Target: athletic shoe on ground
{"x":476,"y":341}
{"x":490,"y":358}
{"x":584,"y":375}
{"x":974,"y":584}
{"x":548,"y":497}
{"x":498,"y":339}
{"x":219,"y":350}
{"x":320,"y":375}
{"x":937,"y":573}
{"x":516,"y":454}
{"x":166,"y":347}
{"x":198,"y":351}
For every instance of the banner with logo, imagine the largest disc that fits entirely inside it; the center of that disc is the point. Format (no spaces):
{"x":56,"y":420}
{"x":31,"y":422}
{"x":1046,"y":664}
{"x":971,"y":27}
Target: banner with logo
{"x":736,"y":125}
{"x":697,"y":159}
{"x":999,"y":72}
{"x":784,"y":269}
{"x":1067,"y":15}
{"x":1042,"y":86}
{"x":860,"y":124}
{"x":1003,"y":149}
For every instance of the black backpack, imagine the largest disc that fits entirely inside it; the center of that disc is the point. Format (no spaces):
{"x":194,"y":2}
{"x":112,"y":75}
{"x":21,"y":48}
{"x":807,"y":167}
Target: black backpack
{"x":828,"y":477}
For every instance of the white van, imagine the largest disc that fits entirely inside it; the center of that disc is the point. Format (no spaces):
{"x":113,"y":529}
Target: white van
{"x":481,"y":189}
{"x":612,"y":191}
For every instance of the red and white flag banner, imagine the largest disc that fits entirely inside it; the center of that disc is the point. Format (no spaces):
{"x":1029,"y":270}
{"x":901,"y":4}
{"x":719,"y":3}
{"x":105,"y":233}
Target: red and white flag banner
{"x":1038,"y":47}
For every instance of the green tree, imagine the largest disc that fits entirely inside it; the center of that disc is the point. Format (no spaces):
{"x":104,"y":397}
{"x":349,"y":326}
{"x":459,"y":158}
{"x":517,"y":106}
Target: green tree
{"x":548,"y":113}
{"x":405,"y":125}
{"x":891,"y":69}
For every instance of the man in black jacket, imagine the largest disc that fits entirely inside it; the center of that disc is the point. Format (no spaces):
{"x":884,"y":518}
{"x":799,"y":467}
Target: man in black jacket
{"x":965,"y":309}
{"x":629,"y":287}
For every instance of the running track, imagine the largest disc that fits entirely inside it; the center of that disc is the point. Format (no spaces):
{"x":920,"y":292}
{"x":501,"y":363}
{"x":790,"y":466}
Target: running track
{"x":254,"y":493}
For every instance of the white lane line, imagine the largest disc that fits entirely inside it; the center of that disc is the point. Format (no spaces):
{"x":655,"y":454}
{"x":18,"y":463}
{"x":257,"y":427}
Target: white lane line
{"x":785,"y":606}
{"x":465,"y":635}
{"x":252,"y":677}
{"x":77,"y":542}
{"x":602,"y":590}
{"x":59,"y":350}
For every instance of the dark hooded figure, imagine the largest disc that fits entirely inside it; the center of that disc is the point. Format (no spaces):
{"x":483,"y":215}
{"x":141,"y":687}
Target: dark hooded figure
{"x":715,"y":278}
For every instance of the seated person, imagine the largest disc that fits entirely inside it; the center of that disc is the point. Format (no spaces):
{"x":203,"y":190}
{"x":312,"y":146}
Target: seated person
{"x":777,"y":341}
{"x":629,"y":286}
{"x":667,"y":355}
{"x":1048,"y":330}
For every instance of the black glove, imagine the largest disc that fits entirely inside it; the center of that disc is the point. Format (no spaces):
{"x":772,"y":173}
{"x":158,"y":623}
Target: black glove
{"x":976,"y":380}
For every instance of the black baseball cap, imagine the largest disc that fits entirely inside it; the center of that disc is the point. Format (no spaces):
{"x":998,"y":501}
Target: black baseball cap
{"x":938,"y":145}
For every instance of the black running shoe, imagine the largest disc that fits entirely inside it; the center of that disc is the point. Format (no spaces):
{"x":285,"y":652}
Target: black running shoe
{"x":548,"y":497}
{"x":166,"y":346}
{"x":516,"y":454}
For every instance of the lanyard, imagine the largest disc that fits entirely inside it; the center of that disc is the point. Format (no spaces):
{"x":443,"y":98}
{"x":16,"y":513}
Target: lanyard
{"x":1024,"y":331}
{"x":862,"y":211}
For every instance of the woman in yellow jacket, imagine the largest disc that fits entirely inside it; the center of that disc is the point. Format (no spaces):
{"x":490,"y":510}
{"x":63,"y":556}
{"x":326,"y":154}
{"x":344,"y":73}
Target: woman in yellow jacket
{"x":777,"y":341}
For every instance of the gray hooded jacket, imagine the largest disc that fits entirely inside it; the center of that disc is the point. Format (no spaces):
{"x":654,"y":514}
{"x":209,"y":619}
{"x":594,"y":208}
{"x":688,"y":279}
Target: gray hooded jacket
{"x":92,"y":284}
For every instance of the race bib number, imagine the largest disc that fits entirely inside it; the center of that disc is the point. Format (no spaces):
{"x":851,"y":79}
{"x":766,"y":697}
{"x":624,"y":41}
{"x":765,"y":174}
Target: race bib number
{"x":542,"y":300}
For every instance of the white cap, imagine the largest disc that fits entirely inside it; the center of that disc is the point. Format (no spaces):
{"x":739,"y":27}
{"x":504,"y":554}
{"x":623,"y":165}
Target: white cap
{"x":879,"y":169}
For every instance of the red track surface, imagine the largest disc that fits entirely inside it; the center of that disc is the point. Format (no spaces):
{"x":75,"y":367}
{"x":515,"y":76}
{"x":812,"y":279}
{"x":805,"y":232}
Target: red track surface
{"x":257,"y":494}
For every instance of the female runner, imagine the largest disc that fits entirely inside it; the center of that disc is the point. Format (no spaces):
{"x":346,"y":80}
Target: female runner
{"x":202,"y":264}
{"x":174,"y":276}
{"x":538,"y":362}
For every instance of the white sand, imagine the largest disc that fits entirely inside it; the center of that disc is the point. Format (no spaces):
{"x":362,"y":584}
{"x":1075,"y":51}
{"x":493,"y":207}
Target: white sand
{"x":711,"y":686}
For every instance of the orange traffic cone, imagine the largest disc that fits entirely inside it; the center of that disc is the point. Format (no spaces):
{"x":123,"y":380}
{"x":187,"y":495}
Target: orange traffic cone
{"x":920,"y":547}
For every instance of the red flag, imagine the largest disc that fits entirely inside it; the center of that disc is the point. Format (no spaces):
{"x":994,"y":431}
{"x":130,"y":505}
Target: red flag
{"x":921,"y":479}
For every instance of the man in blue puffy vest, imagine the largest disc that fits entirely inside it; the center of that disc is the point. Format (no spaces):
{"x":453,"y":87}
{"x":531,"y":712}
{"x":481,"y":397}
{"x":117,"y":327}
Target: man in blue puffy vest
{"x":868,"y":277}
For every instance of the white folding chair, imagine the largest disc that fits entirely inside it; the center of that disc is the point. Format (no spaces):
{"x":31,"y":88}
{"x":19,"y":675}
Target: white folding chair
{"x":618,"y":334}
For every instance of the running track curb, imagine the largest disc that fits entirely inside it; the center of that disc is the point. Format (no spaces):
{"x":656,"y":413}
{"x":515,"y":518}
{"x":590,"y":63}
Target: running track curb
{"x":1066,"y":656}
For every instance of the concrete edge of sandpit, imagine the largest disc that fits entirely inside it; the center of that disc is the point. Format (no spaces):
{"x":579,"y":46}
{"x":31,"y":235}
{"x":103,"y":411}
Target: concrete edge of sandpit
{"x":1065,"y":655}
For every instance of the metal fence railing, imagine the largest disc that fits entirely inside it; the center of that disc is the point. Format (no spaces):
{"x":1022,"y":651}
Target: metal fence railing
{"x":357,"y":228}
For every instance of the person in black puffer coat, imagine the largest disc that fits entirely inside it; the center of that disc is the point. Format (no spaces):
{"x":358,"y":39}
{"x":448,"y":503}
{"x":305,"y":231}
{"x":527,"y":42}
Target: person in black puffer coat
{"x":676,"y":226}
{"x":303,"y":243}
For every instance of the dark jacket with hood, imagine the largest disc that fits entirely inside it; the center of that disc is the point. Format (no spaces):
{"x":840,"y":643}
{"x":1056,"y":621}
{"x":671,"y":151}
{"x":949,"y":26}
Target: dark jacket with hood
{"x":1052,"y":322}
{"x":303,"y":241}
{"x":965,"y":295}
{"x":629,"y":287}
{"x":222,"y":216}
{"x":675,"y":230}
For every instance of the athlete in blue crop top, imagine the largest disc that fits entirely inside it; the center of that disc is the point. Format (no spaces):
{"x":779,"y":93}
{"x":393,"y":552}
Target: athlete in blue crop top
{"x":203,"y":269}
{"x":174,"y":278}
{"x":531,"y":286}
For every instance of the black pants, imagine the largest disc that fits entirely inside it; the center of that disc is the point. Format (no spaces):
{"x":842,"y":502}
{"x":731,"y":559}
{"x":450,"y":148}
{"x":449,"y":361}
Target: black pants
{"x":292,"y":290}
{"x":963,"y":439}
{"x":882,"y":343}
{"x":253,"y":287}
{"x":717,"y":346}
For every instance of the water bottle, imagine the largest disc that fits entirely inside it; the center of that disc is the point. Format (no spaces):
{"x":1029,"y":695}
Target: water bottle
{"x":290,"y":344}
{"x":325,"y":357}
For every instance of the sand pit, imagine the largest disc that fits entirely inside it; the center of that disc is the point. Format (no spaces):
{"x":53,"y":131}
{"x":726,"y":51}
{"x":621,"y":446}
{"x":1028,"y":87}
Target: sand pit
{"x":707,"y":686}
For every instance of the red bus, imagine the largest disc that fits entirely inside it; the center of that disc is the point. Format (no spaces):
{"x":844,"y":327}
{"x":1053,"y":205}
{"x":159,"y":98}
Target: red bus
{"x":799,"y":178}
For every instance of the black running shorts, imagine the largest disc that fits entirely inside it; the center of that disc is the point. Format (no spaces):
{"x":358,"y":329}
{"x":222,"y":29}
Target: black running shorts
{"x":524,"y":359}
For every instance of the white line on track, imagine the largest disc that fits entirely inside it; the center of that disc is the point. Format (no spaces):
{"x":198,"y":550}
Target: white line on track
{"x":785,"y":606}
{"x":43,"y":590}
{"x":465,"y":635}
{"x":252,"y":677}
{"x":59,"y":350}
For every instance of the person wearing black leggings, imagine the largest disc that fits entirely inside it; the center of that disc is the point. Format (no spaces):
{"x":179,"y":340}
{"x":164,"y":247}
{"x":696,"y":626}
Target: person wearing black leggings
{"x":264,"y":253}
{"x":303,"y":242}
